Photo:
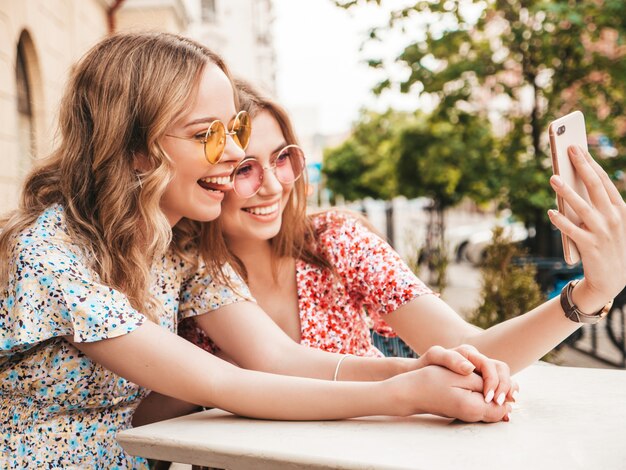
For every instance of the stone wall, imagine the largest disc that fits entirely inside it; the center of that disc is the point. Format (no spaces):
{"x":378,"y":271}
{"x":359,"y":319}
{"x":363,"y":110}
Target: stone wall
{"x":51,"y":35}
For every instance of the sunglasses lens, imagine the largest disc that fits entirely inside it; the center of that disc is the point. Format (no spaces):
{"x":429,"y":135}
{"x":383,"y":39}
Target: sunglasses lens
{"x":242,"y":129}
{"x":248,"y":178}
{"x":289,"y":164}
{"x":215,"y":142}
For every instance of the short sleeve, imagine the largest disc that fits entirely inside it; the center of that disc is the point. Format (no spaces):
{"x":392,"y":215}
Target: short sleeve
{"x":374,"y":274}
{"x":202,"y":293}
{"x":52,"y":293}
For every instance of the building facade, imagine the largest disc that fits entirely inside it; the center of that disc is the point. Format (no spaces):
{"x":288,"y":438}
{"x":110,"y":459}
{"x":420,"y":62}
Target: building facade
{"x":241,"y":32}
{"x":40,"y":40}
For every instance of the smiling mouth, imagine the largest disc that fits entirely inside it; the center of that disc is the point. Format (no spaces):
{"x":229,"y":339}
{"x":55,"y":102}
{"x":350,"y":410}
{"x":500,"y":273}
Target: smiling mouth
{"x":264,"y":210}
{"x":215,"y":183}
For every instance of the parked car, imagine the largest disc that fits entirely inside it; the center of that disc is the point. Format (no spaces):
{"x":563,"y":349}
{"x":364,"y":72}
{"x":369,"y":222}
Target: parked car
{"x":459,"y":237}
{"x":474,"y":250}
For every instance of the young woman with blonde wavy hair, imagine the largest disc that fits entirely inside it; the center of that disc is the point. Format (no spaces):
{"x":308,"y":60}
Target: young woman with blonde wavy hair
{"x":326,"y":278}
{"x":105,"y":254}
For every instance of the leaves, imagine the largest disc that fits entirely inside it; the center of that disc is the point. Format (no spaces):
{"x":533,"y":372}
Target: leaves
{"x":523,"y":63}
{"x":364,"y":165}
{"x":508,"y":288}
{"x":445,"y":156}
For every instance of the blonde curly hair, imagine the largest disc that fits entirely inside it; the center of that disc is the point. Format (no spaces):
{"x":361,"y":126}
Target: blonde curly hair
{"x":121,"y":97}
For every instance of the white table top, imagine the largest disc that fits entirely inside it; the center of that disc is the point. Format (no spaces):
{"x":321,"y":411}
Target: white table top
{"x":566,"y":418}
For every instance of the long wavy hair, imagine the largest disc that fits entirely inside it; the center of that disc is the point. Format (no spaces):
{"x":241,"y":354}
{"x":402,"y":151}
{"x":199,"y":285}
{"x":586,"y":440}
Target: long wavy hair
{"x":297,"y":237}
{"x":121,"y":97}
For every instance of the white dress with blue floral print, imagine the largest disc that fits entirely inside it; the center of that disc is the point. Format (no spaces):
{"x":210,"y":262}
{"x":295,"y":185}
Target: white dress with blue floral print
{"x":59,"y":409}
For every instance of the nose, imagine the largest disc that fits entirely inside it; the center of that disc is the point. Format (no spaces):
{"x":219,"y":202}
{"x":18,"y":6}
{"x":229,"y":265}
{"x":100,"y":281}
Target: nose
{"x":270,"y":185}
{"x":233,"y":154}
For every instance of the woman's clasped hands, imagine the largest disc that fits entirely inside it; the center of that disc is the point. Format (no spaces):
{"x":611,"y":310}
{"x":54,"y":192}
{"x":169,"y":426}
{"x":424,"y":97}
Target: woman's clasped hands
{"x":460,"y":383}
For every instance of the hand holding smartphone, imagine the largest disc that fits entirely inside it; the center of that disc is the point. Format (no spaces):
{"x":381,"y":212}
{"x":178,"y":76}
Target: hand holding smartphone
{"x":601,"y":239}
{"x":564,"y":132}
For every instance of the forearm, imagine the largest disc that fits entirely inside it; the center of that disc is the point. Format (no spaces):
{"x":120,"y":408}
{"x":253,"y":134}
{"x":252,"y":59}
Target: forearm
{"x":157,"y":407}
{"x":428,"y":321}
{"x":294,"y":398}
{"x":178,"y":369}
{"x":247,"y":335}
{"x":375,"y":368}
{"x":302,"y":361}
{"x":233,"y":394}
{"x":522,"y":340}
{"x":183,"y":371}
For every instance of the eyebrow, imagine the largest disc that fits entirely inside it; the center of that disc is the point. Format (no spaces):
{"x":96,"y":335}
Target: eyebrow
{"x":208,"y":120}
{"x":201,"y":121}
{"x":273,"y":152}
{"x":279,"y":148}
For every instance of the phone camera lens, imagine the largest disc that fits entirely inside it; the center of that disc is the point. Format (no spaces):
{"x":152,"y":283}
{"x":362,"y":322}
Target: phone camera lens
{"x":560,"y":130}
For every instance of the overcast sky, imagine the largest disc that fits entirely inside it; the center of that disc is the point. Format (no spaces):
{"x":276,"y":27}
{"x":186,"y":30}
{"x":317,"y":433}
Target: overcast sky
{"x":319,"y":63}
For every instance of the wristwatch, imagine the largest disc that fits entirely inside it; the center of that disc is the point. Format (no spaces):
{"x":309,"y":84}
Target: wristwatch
{"x":573,"y":313}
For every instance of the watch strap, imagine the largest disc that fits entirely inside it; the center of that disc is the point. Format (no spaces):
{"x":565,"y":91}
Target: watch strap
{"x":572,"y":311}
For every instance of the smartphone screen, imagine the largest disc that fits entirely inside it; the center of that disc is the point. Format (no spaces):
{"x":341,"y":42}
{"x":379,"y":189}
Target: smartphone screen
{"x":564,"y":132}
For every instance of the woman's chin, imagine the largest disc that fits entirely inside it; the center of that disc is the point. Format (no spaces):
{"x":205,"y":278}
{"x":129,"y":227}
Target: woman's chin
{"x":206,"y":215}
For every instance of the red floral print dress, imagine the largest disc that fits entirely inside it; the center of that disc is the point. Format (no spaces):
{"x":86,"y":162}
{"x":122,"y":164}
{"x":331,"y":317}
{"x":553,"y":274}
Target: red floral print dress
{"x":337,"y":310}
{"x":370,"y":281}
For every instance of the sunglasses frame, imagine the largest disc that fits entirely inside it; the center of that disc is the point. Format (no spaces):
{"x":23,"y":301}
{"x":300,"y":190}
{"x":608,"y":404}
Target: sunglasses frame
{"x":271,"y":166}
{"x":226,"y":131}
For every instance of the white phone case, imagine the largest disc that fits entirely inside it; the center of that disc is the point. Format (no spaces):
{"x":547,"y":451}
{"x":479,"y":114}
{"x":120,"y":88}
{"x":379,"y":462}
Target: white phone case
{"x":566,"y":131}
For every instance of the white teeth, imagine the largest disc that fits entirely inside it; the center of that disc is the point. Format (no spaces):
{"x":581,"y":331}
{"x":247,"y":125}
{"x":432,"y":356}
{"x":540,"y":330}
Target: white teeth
{"x":262,"y":210}
{"x":217,"y":179}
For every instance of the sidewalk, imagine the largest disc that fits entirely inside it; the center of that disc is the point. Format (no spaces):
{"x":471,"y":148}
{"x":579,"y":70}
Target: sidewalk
{"x":463,"y":294}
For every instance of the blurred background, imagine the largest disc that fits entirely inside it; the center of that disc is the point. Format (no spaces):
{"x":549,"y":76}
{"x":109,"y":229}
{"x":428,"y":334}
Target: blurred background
{"x":429,"y":117}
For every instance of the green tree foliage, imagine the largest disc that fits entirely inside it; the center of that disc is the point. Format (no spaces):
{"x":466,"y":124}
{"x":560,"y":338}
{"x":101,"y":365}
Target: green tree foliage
{"x":540,"y":58}
{"x":364,"y":165}
{"x":448,"y":157}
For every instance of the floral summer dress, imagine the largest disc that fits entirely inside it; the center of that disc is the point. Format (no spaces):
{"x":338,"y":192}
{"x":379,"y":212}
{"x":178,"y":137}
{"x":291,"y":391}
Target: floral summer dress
{"x":59,"y":409}
{"x":337,"y":312}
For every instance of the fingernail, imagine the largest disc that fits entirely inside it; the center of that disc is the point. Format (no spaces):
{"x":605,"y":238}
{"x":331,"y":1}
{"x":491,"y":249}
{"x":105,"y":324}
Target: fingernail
{"x":468,"y":367}
{"x":489,"y":396}
{"x":574,"y":150}
{"x":508,"y":417}
{"x":500,"y":399}
{"x":514,"y":395}
{"x":556,"y":181}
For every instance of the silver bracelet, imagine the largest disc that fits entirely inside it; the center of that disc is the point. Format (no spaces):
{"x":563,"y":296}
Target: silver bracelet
{"x":339,"y":365}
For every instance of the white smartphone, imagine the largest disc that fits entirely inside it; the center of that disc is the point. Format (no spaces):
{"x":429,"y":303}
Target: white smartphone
{"x":566,"y":131}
